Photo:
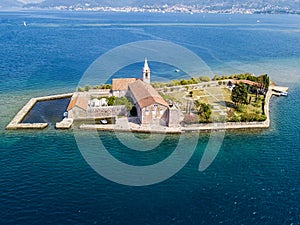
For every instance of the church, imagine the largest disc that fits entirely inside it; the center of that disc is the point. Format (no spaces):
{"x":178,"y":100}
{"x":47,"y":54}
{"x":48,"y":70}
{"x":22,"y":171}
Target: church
{"x":151,"y":107}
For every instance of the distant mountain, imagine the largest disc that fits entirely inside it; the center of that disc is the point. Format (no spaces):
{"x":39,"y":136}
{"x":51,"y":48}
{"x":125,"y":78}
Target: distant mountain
{"x":115,"y":3}
{"x":92,"y":3}
{"x":211,"y":4}
{"x":8,"y":4}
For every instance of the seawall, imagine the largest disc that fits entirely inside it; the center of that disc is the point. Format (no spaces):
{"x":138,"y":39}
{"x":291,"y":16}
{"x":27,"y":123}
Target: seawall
{"x":16,"y":122}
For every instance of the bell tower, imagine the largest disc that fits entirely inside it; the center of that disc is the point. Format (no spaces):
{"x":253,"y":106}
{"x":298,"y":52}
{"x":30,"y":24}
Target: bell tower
{"x":146,"y":72}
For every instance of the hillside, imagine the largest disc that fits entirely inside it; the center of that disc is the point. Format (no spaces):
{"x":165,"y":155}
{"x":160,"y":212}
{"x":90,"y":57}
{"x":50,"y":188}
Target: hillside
{"x":139,"y":3}
{"x":214,"y":6}
{"x":8,"y":4}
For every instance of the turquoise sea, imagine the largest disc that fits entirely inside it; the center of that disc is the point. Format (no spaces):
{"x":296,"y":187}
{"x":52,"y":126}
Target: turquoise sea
{"x":44,"y":178}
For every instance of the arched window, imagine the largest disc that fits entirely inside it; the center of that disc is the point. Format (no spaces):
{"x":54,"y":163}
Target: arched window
{"x":147,"y":112}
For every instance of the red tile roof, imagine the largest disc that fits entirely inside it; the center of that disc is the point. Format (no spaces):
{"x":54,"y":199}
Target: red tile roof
{"x":145,"y":94}
{"x":79,"y":102}
{"x":121,"y":84}
{"x":249,"y":82}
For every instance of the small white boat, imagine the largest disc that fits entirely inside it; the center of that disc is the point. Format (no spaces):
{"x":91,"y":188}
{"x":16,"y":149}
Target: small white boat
{"x":65,"y":114}
{"x":104,"y":121}
{"x":283,"y":93}
{"x":25,"y":24}
{"x":177,"y":71}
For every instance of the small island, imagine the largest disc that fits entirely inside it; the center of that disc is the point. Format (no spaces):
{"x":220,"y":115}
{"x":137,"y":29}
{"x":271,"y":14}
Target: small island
{"x":238,"y":101}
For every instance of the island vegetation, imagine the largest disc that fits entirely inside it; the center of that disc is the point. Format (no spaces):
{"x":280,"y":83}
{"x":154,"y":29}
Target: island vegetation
{"x":233,"y":98}
{"x":224,"y":98}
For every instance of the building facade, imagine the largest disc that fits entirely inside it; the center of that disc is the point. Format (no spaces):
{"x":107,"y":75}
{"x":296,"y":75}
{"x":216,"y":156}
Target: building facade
{"x":120,"y":86}
{"x":151,"y":107}
{"x":77,"y":108}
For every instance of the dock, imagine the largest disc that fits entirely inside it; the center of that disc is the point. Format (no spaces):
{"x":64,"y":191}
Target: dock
{"x":64,"y":124}
{"x":279,"y":91}
{"x":16,"y":122}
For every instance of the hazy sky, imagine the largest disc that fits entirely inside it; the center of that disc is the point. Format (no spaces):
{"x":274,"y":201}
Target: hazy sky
{"x":30,"y":1}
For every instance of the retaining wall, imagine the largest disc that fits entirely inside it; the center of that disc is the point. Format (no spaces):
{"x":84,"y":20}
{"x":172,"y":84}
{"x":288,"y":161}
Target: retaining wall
{"x":16,"y":122}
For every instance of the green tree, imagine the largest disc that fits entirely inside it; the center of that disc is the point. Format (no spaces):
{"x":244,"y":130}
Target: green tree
{"x":183,"y":82}
{"x":87,"y":87}
{"x":204,"y":111}
{"x":105,"y":86}
{"x":239,"y":94}
{"x":204,"y":79}
{"x":111,"y":100}
{"x":80,"y":89}
{"x":193,"y":81}
{"x":127,"y":102}
{"x":264,"y":80}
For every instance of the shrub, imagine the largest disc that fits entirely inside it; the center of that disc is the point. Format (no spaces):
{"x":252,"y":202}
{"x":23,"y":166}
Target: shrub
{"x":87,"y":87}
{"x":105,"y":86}
{"x":235,"y":118}
{"x":80,"y":89}
{"x":204,"y":79}
{"x":240,"y":108}
{"x":155,"y":85}
{"x":111,"y":100}
{"x":183,"y":82}
{"x":127,"y":102}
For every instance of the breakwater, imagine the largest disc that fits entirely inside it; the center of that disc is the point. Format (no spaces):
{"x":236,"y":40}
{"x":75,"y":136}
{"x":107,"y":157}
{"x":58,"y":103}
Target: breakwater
{"x":16,"y":122}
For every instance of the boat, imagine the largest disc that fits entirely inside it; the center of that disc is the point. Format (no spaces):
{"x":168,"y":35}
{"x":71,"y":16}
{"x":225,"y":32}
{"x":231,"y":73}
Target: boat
{"x":177,"y":71}
{"x":103,"y":121}
{"x":283,"y":93}
{"x":25,"y":24}
{"x":65,"y":114}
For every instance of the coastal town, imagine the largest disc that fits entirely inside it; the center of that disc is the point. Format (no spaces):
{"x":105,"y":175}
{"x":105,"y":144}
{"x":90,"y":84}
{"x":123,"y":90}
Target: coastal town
{"x":238,"y":101}
{"x":160,"y":7}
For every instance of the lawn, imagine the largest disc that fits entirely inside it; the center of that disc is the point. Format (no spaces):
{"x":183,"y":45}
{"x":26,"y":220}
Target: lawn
{"x":219,"y":98}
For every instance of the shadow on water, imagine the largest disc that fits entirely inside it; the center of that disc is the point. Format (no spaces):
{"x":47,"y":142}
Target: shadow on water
{"x":47,"y":111}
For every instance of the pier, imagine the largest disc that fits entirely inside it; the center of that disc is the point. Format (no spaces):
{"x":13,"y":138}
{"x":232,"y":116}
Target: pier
{"x":16,"y":122}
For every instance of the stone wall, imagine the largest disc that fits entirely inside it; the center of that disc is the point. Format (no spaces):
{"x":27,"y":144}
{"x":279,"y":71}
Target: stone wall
{"x":108,"y":111}
{"x":152,"y":113}
{"x":174,"y":117}
{"x":120,"y":94}
{"x":76,"y":113}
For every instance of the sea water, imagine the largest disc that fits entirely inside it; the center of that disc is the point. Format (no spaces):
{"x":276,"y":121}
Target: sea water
{"x":44,"y":178}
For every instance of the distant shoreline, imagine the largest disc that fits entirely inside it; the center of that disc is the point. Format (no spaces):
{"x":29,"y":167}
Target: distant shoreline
{"x":155,"y":10}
